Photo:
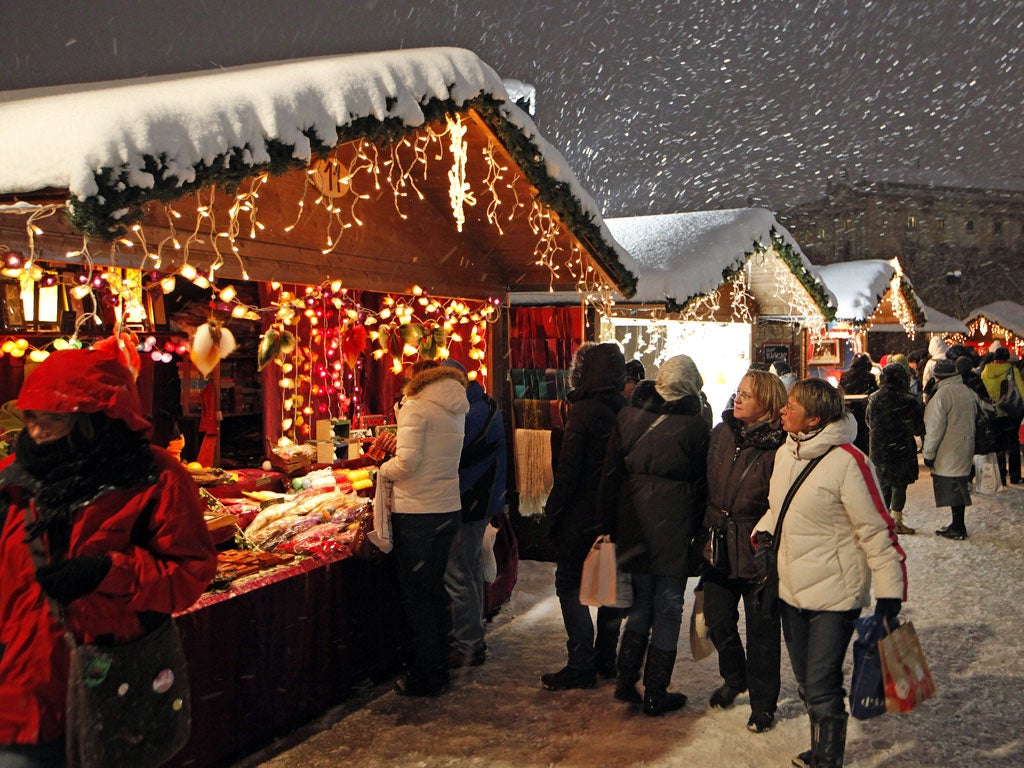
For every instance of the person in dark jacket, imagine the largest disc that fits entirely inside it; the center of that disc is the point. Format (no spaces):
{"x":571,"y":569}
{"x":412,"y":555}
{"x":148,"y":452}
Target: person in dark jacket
{"x":740,"y":464}
{"x":575,"y":523}
{"x":482,"y":487}
{"x":859,"y":379}
{"x":652,"y":496}
{"x":894,"y":417}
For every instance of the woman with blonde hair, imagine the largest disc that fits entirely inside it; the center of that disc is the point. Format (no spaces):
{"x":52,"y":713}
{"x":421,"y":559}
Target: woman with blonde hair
{"x":740,"y":463}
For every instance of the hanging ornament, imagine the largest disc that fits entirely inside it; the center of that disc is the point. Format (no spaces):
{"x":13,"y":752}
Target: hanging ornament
{"x":274,"y":344}
{"x":211,"y":343}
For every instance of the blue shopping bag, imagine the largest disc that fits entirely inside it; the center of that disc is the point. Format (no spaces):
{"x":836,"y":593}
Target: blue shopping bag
{"x":867,"y":690}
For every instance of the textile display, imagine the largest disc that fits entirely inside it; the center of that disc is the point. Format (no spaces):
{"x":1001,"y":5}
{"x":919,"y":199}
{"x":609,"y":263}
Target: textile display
{"x":534,"y":476}
{"x":128,"y":704}
{"x":986,"y":474}
{"x":867,"y":689}
{"x":700,"y":644}
{"x":602,"y":583}
{"x":908,"y":680}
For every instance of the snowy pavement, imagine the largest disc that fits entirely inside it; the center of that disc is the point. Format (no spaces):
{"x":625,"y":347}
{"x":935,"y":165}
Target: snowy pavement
{"x":965,"y":601}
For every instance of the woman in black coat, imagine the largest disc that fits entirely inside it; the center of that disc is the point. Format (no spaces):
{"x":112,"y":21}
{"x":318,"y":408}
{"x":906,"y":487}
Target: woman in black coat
{"x":894,"y":417}
{"x":652,"y":495}
{"x":740,"y":465}
{"x":859,"y":379}
{"x":575,"y":521}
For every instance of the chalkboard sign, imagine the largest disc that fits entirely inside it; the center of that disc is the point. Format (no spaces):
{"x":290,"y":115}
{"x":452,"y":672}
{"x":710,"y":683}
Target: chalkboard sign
{"x":776,"y":353}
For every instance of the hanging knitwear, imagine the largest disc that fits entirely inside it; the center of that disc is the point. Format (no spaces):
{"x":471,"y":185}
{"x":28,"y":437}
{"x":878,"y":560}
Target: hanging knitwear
{"x":533,"y":469}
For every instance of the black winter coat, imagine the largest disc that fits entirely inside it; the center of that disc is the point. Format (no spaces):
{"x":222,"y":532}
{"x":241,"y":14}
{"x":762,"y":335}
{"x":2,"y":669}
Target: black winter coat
{"x":734,"y":447}
{"x":654,"y":481}
{"x":572,"y":503}
{"x":894,"y":416}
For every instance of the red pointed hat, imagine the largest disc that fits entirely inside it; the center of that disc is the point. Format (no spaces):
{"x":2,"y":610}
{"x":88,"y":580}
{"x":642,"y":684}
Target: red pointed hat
{"x":84,"y":381}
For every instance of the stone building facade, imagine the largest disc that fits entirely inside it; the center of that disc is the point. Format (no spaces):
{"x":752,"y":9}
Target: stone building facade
{"x":961,"y":245}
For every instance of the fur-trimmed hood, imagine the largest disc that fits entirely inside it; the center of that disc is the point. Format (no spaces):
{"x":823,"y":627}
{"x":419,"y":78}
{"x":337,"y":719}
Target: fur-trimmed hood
{"x":417,"y":383}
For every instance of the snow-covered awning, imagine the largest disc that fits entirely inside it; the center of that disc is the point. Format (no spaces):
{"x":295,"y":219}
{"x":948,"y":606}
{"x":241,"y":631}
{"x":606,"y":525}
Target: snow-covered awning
{"x":1007,"y":314}
{"x":112,"y":148}
{"x":872,"y":291}
{"x":935,"y":322}
{"x":683,"y":256}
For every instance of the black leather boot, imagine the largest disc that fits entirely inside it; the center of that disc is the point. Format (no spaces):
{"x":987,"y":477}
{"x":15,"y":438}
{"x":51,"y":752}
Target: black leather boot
{"x":806,"y":758}
{"x":657,"y":675}
{"x":631,"y":658}
{"x":831,"y":742}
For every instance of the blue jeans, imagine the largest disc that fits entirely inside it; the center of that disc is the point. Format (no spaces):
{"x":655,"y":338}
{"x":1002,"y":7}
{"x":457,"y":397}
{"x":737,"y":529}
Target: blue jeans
{"x":421,"y":546}
{"x":464,"y":581}
{"x":584,"y":649}
{"x":657,"y":608}
{"x":48,"y":754}
{"x":817,"y":642}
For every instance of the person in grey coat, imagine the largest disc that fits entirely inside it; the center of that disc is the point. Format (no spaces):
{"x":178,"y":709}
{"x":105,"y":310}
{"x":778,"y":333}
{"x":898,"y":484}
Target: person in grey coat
{"x":949,"y":444}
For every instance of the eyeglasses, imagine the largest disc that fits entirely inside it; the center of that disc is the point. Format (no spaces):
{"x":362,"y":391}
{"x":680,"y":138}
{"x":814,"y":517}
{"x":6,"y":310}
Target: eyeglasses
{"x":737,"y":396}
{"x":792,"y":407}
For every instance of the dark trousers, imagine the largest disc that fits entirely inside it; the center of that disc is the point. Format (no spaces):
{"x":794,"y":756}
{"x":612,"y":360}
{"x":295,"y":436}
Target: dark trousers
{"x":421,"y":546}
{"x":657,"y":608}
{"x":894,"y":496}
{"x":817,"y":642}
{"x":758,"y":669}
{"x":584,"y":648}
{"x":1009,"y":455}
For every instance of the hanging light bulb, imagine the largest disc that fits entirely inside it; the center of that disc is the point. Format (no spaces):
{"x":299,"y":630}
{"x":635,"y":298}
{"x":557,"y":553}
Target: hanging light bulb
{"x":228,"y":293}
{"x":167,"y":284}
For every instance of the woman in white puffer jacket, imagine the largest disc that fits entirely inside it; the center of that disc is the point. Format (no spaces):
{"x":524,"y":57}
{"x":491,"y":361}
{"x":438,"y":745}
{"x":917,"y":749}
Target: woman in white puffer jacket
{"x":425,"y":515}
{"x":836,"y":536}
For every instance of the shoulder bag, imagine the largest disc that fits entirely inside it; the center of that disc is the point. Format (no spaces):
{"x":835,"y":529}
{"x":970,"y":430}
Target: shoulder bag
{"x":127,"y":704}
{"x":709,"y":549}
{"x":766,"y":593}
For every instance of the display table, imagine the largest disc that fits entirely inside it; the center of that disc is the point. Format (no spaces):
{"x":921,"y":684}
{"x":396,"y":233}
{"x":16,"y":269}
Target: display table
{"x":283,"y":647}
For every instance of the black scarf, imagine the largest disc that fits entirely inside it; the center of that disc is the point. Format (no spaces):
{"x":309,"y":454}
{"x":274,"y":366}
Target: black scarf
{"x":68,"y":473}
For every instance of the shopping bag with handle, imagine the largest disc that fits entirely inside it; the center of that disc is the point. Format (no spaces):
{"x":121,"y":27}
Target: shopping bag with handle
{"x":908,"y":680}
{"x":867,"y":688}
{"x":602,"y":583}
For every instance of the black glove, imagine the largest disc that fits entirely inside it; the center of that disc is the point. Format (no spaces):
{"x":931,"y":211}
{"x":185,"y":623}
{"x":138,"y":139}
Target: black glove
{"x":70,"y":579}
{"x":889,"y":607}
{"x":930,"y":463}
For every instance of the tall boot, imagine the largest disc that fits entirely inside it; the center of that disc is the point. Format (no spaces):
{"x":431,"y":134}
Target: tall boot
{"x":657,"y":675}
{"x":806,"y":758}
{"x":901,"y":529}
{"x":606,"y":639}
{"x":831,"y":742}
{"x":631,"y":659}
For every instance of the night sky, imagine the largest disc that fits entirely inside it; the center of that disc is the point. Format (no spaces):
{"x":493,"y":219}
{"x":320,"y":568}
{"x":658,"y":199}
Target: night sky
{"x":658,"y":106}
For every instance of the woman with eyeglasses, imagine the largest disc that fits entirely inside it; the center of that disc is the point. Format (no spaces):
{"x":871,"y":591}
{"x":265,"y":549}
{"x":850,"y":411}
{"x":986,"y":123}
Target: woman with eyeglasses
{"x":740,"y":463}
{"x":836,"y":538}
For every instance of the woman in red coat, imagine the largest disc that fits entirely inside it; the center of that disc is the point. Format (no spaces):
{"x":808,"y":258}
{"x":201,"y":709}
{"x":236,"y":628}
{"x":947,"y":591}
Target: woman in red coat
{"x":122,"y":526}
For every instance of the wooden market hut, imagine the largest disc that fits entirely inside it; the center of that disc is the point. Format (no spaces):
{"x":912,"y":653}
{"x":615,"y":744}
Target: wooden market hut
{"x":876,"y":304}
{"x":1001,"y":321}
{"x":388,"y":192}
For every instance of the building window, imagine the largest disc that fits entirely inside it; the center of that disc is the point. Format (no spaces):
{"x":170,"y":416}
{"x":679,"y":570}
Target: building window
{"x":911,"y":222}
{"x":940,"y":223}
{"x":969,"y":225}
{"x":997,"y":227}
{"x":821,"y":233}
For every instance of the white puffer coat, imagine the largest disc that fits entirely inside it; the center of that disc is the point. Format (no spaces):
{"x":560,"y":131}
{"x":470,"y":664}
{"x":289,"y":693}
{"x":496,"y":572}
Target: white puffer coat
{"x":837,"y":533}
{"x":431,"y":425}
{"x":949,"y":428}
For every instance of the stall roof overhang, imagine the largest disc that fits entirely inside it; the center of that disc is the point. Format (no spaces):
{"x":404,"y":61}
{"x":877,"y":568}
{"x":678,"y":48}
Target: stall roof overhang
{"x":863,"y":290}
{"x":935,"y":322}
{"x":680,"y":257}
{"x":113,"y":149}
{"x":1007,"y":314}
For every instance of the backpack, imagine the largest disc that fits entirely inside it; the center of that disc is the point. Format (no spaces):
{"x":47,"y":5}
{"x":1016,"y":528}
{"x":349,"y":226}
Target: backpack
{"x":1010,"y":403}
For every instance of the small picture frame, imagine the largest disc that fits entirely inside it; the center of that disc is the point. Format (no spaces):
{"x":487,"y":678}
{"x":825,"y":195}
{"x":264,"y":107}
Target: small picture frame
{"x":823,"y":352}
{"x":13,"y":309}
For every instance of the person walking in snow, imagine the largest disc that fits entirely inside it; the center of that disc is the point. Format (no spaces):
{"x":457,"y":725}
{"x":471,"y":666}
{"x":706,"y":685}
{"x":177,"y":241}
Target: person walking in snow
{"x":836,"y":539}
{"x":575,"y":523}
{"x":651,"y":498}
{"x":425,"y":515}
{"x":1001,"y":378}
{"x":948,"y":449}
{"x":740,"y":463}
{"x":937,"y":349}
{"x":894,"y":418}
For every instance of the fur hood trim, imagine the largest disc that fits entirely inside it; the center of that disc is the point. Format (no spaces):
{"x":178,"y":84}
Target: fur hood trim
{"x":424,"y":378}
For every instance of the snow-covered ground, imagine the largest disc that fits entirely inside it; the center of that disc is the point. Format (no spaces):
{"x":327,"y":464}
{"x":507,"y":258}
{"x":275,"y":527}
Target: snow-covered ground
{"x":965,"y":600}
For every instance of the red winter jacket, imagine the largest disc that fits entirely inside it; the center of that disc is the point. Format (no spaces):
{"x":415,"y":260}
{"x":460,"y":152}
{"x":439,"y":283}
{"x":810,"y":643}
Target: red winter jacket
{"x":166,"y":576}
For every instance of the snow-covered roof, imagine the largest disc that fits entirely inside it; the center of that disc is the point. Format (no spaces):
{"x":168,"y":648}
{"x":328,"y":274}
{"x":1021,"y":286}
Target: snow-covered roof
{"x":679,"y":256}
{"x":1008,"y":314}
{"x":935,"y":322}
{"x":858,"y":286}
{"x":115,"y":145}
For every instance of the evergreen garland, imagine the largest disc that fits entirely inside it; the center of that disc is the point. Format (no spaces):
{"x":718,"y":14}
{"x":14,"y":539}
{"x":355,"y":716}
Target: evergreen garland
{"x":118,"y":204}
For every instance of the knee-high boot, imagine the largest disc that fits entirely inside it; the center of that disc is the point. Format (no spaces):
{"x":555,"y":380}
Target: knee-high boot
{"x":831,"y":742}
{"x":806,"y":758}
{"x":631,"y":658}
{"x":657,"y":675}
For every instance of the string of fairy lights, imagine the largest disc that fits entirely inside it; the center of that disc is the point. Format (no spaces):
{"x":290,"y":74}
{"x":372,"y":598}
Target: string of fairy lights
{"x":319,"y":372}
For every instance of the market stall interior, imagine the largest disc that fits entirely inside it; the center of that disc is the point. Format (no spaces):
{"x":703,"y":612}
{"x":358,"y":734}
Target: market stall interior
{"x":277,"y":243}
